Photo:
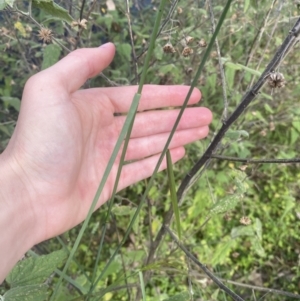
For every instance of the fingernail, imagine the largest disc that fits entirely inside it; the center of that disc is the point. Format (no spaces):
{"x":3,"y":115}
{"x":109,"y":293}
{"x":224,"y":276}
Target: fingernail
{"x":104,"y":45}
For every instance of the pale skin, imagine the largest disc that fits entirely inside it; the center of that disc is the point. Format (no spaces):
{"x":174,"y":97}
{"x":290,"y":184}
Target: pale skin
{"x":64,"y":138}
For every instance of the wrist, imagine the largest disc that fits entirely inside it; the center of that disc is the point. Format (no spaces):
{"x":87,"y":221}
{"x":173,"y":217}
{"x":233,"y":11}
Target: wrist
{"x":17,"y":218}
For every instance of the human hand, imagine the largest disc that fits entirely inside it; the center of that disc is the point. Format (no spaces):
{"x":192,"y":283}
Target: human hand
{"x":65,"y":136}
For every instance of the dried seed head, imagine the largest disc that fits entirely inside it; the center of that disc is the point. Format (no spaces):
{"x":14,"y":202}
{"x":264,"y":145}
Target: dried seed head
{"x":186,"y":40}
{"x":243,"y":167}
{"x":227,"y":216}
{"x":202,"y":43}
{"x":276,"y":80}
{"x":235,"y":254}
{"x":245,"y":220}
{"x":179,"y":10}
{"x":168,"y":48}
{"x":187,"y":51}
{"x":45,"y":34}
{"x":213,"y":54}
{"x":189,"y":70}
{"x":79,"y":23}
{"x":189,"y":40}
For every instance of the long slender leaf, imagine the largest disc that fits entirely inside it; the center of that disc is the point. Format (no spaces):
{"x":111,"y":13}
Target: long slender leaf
{"x":173,"y":193}
{"x":107,"y":171}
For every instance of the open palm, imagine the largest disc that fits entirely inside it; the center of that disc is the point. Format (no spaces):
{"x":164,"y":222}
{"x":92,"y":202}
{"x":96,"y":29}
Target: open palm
{"x":65,"y":136}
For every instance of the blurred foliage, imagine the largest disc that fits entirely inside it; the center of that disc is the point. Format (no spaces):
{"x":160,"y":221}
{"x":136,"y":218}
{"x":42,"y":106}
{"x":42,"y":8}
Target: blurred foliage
{"x":241,"y":220}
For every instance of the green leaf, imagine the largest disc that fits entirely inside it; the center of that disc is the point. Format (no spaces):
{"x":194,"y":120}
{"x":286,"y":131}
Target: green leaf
{"x":257,"y":247}
{"x":215,"y":294}
{"x":225,"y":204}
{"x":51,"y":55}
{"x":268,"y":108}
{"x":122,"y":210}
{"x":124,"y":50}
{"x":35,"y":270}
{"x":289,"y":205}
{"x":142,"y":285}
{"x":7,"y":2}
{"x":27,"y":293}
{"x":234,"y":135}
{"x":4,"y":129}
{"x":185,"y":296}
{"x":242,"y":231}
{"x":2,"y":4}
{"x":11,"y":102}
{"x":53,"y":9}
{"x":236,"y":66}
{"x":230,"y":74}
{"x":167,"y":69}
{"x":246,"y":5}
{"x":222,"y":251}
{"x":258,"y":228}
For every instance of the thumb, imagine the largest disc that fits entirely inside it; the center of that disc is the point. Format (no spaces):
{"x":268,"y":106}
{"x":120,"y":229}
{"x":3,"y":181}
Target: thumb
{"x":72,"y":71}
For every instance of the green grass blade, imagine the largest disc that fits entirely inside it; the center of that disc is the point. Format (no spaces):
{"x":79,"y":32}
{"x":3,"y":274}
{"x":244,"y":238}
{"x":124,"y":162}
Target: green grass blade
{"x":150,"y":183}
{"x":107,"y":171}
{"x":173,"y":193}
{"x":141,"y":83}
{"x":142,"y":285}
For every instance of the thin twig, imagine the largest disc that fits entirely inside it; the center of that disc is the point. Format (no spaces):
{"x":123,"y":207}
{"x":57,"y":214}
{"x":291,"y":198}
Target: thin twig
{"x":216,"y":280}
{"x":222,"y":73}
{"x":256,"y":161}
{"x":274,"y":27}
{"x":165,"y":22}
{"x":263,"y":289}
{"x":80,"y":29}
{"x":28,"y":15}
{"x":288,"y":43}
{"x":259,"y":34}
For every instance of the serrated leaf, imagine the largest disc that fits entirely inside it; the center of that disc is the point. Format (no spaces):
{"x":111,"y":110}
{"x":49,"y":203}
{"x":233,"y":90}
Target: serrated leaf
{"x":53,"y":9}
{"x":35,"y":270}
{"x":242,"y":231}
{"x":51,"y":55}
{"x":225,"y":204}
{"x":27,"y":293}
{"x":185,"y":296}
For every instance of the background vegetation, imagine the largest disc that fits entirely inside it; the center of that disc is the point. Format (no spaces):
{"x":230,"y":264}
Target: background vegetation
{"x":255,"y":240}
